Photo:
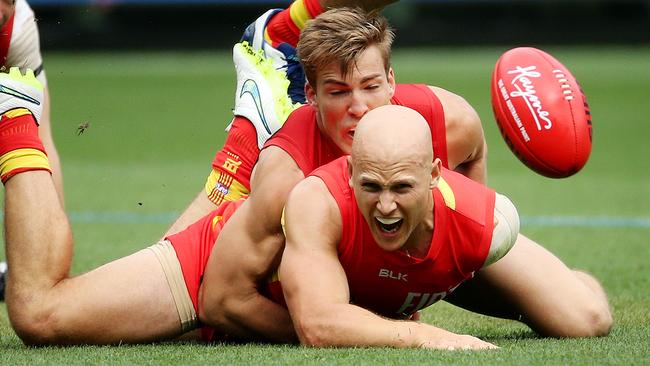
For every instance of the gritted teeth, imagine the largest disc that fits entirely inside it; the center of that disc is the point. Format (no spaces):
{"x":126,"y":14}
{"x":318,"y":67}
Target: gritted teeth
{"x":387,"y":221}
{"x":389,"y":225}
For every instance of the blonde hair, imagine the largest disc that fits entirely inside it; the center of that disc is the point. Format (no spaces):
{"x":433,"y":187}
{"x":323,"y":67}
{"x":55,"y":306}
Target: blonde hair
{"x":340,"y":35}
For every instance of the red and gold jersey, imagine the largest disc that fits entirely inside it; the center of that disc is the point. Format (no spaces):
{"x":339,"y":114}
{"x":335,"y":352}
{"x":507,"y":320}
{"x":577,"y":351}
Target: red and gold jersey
{"x":301,"y":138}
{"x":394,"y":284}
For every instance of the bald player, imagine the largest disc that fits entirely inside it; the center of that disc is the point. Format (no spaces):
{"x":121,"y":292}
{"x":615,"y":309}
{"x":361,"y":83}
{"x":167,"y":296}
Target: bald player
{"x":383,"y":233}
{"x":346,"y":57}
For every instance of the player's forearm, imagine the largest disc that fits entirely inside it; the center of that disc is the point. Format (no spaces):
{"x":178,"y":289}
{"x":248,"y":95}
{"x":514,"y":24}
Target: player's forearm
{"x":264,"y":318}
{"x":347,"y":325}
{"x":245,"y":314}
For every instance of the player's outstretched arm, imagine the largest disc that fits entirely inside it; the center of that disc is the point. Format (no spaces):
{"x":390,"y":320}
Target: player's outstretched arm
{"x":316,"y":290}
{"x":247,"y":253}
{"x":466,"y":146}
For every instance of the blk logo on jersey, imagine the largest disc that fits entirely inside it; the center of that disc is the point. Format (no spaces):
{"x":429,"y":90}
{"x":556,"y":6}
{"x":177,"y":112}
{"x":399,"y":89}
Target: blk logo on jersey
{"x":386,"y":273}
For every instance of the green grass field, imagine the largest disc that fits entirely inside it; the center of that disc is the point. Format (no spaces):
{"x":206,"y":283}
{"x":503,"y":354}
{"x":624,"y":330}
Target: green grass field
{"x":156,"y":120}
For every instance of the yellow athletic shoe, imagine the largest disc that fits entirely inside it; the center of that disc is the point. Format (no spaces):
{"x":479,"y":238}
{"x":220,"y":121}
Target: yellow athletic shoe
{"x":21,"y":91}
{"x":283,"y":55}
{"x":261,"y":94}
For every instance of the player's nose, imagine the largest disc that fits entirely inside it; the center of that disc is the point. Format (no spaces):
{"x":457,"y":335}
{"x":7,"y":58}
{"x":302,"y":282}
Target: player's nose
{"x":358,"y":106}
{"x":386,"y":204}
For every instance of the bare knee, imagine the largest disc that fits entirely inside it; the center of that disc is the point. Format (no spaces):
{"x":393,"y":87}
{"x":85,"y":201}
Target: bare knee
{"x":598,"y":314}
{"x":35,"y":322}
{"x":584,"y":316}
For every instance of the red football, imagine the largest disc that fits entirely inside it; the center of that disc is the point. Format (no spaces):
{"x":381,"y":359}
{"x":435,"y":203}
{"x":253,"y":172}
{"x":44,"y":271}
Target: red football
{"x":542,"y":112}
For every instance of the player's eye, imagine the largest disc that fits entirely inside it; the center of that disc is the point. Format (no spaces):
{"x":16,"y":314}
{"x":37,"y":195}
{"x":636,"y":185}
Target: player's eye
{"x":402,"y":187}
{"x":370,"y":187}
{"x":336,"y":93}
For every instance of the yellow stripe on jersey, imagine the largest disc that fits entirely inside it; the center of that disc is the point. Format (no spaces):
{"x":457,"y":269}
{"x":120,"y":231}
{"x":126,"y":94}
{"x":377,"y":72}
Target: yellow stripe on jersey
{"x":17,"y":112}
{"x":23,"y":158}
{"x":299,"y":14}
{"x":223,"y":187}
{"x":447,"y":193}
{"x":215,"y":221}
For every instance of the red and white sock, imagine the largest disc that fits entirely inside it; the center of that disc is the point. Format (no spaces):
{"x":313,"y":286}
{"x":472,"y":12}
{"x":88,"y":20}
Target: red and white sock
{"x":286,"y":25}
{"x":21,"y":149}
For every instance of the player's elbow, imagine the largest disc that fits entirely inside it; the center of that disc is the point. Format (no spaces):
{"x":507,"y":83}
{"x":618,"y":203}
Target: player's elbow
{"x":313,"y":331}
{"x":595,"y":321}
{"x":37,"y":325}
{"x":594,"y":314}
{"x":601,"y":322}
{"x":214,"y":308}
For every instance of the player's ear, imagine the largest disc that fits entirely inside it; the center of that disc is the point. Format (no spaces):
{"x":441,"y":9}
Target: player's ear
{"x":310,"y":93}
{"x":435,"y":173}
{"x":349,"y":159}
{"x":391,"y":81}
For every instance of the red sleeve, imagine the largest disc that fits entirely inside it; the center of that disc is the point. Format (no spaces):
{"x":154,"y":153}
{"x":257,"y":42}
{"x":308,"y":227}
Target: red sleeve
{"x":474,"y":206}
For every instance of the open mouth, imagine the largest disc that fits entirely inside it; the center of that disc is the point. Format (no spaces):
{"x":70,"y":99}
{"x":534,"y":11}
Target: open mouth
{"x":351,"y":133}
{"x":389,"y":225}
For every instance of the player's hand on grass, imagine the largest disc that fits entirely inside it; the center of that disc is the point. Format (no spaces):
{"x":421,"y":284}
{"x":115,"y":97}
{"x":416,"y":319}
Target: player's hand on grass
{"x":437,"y":338}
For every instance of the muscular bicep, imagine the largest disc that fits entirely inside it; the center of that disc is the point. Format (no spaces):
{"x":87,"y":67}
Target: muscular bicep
{"x":255,"y":229}
{"x":311,"y":274}
{"x":246,"y":252}
{"x":506,"y":229}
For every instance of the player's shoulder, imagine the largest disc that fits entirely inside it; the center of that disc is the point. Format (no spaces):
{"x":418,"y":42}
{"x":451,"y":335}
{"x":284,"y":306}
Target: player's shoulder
{"x":457,"y":108}
{"x":276,"y":160}
{"x":465,"y":196}
{"x":312,"y":195}
{"x":462,"y":122}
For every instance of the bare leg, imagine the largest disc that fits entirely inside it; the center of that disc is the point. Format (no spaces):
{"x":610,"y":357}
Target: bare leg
{"x":530,"y":284}
{"x":127,"y":300}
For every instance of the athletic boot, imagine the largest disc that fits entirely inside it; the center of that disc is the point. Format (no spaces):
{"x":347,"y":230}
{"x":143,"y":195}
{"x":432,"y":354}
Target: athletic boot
{"x":283,"y":55}
{"x":21,"y":91}
{"x":261,"y":94}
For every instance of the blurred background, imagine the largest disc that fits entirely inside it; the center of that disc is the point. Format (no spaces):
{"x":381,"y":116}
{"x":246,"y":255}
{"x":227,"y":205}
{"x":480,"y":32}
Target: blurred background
{"x":187,"y":24}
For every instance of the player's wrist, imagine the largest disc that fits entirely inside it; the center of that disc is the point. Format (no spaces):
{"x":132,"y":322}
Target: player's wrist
{"x":414,"y":334}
